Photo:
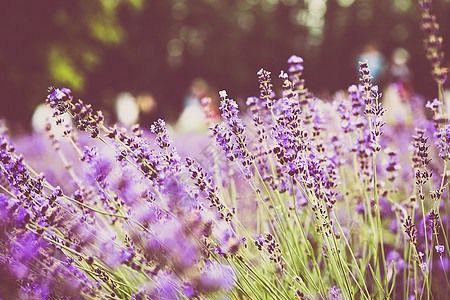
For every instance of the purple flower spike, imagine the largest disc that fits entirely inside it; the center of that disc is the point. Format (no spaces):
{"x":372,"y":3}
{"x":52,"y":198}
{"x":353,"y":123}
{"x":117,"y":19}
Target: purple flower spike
{"x":283,"y":75}
{"x":223,"y":94}
{"x":434,"y":105}
{"x":444,"y":144}
{"x":433,"y":42}
{"x":159,"y":128}
{"x":230,"y":135}
{"x":334,"y":292}
{"x":23,"y":217}
{"x":294,"y":59}
{"x":296,"y":67}
{"x":216,"y":277}
{"x":58,"y":95}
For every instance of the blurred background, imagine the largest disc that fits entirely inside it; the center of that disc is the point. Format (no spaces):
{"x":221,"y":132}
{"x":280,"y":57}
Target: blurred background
{"x":160,"y":55}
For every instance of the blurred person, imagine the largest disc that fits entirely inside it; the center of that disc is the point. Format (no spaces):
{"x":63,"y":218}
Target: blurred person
{"x":399,"y":90}
{"x":399,"y":72}
{"x":375,"y":60}
{"x":447,"y":93}
{"x":147,"y":108}
{"x":127,"y":109}
{"x":193,"y":117}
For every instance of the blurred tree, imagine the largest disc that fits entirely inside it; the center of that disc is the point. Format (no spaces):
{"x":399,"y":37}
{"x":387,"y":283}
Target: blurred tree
{"x":170,"y":43}
{"x":101,"y":48}
{"x":51,"y":42}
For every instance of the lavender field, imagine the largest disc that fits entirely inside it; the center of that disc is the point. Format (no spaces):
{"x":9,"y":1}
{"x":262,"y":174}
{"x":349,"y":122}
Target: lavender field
{"x":287,"y":196}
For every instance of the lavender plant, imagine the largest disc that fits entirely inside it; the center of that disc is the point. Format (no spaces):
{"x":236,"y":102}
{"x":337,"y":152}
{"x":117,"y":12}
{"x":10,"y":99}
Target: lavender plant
{"x":297,"y":197}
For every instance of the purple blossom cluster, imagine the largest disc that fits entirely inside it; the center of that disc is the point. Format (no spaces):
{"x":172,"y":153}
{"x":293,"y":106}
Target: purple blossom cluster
{"x":433,"y":41}
{"x":125,"y":223}
{"x":230,"y":135}
{"x":349,"y":160}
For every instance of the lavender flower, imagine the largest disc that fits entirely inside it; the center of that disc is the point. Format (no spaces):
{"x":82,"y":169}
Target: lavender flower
{"x":267,"y":95}
{"x":410,"y":230}
{"x":171,"y":156}
{"x":440,"y":249}
{"x":215,"y":277}
{"x":433,"y":42}
{"x":295,"y":72}
{"x":439,"y":116}
{"x":296,"y":66}
{"x":334,"y":292}
{"x":159,"y":128}
{"x":233,"y":127}
{"x":444,"y":142}
{"x":433,"y":219}
{"x":394,"y":256}
{"x":131,"y":221}
{"x":59,"y":99}
{"x":205,"y":185}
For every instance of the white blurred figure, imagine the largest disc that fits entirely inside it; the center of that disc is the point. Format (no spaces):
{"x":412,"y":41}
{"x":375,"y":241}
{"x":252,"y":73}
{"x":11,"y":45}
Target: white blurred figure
{"x":447,"y":102}
{"x":447,"y":93}
{"x":43,"y":115}
{"x":127,"y":109}
{"x":193,"y":117}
